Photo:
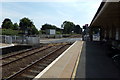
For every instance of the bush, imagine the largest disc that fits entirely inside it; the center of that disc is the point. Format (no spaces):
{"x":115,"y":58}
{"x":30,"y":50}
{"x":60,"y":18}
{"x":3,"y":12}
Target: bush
{"x":58,"y":32}
{"x":9,"y":32}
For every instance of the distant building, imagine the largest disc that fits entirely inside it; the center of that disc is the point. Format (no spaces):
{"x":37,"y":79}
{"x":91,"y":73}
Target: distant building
{"x":51,"y":31}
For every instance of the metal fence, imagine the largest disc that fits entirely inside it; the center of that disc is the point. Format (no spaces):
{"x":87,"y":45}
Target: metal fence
{"x":27,"y":39}
{"x":19,"y":39}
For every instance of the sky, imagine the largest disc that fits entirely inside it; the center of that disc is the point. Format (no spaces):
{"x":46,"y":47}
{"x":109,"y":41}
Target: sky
{"x":52,"y":12}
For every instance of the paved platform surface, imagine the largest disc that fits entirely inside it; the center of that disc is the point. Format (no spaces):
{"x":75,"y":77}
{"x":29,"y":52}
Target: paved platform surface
{"x":63,"y":66}
{"x":48,"y":40}
{"x":2,"y":45}
{"x":59,"y":40}
{"x":94,"y":63}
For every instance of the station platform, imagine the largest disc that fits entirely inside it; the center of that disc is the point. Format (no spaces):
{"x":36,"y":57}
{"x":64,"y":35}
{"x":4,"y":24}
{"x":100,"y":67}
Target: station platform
{"x":95,"y":64}
{"x":64,"y":66}
{"x":83,"y":60}
{"x":48,"y":40}
{"x":60,"y":40}
{"x":3,"y":45}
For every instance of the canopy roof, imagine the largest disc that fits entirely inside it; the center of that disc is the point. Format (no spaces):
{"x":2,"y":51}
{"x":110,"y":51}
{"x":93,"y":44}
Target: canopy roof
{"x":108,"y":14}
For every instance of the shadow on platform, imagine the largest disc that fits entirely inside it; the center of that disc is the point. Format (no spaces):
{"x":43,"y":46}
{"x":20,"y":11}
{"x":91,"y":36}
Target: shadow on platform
{"x":95,"y":64}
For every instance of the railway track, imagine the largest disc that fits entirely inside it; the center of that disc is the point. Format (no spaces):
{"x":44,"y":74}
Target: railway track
{"x":27,"y":67}
{"x":12,"y":58}
{"x":18,"y":52}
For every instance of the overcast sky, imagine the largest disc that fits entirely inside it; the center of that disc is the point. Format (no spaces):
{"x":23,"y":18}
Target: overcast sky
{"x":52,"y":12}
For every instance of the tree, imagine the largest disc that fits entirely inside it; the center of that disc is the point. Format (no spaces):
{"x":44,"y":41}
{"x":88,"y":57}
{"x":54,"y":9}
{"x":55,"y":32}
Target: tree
{"x":68,"y":27}
{"x":48,"y":26}
{"x":77,"y":29}
{"x":33,"y":30}
{"x":15,"y":26}
{"x":7,"y":24}
{"x":26,"y":25}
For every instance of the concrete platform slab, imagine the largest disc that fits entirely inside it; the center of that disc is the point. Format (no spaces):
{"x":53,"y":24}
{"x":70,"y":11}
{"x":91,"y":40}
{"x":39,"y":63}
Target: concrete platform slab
{"x":3,"y":45}
{"x":60,"y":40}
{"x":94,"y":63}
{"x":63,"y":66}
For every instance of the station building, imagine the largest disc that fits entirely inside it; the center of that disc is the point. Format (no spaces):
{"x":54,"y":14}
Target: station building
{"x":107,"y":20}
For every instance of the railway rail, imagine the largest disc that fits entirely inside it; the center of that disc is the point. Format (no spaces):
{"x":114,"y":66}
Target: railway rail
{"x":16,"y":57}
{"x":22,"y":54}
{"x":19,"y":52}
{"x":33,"y":64}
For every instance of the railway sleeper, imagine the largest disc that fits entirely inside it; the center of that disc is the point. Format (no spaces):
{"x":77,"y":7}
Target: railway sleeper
{"x":18,"y":56}
{"x":22,"y":78}
{"x":29,"y":73}
{"x":39,"y":67}
{"x":48,"y":59}
{"x":47,"y":62}
{"x":12,"y":58}
{"x":43,"y":64}
{"x":4,"y":61}
{"x":34,"y":71}
{"x":28,"y":76}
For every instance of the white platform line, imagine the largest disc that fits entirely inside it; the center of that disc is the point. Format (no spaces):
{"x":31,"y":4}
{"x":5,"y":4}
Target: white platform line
{"x":49,"y":66}
{"x":6,"y":46}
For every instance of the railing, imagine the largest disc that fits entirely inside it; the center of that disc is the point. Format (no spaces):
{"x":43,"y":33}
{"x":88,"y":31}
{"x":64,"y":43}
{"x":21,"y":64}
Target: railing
{"x":19,"y":39}
{"x":28,"y":39}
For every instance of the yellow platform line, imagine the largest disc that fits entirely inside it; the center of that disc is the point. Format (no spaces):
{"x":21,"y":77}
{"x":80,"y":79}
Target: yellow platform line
{"x":76,"y":66}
